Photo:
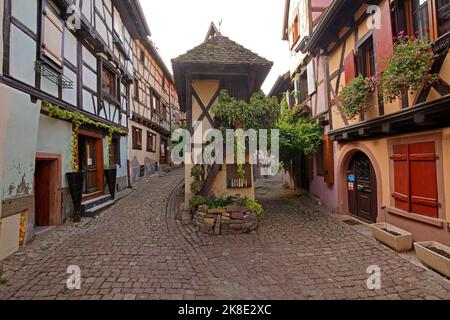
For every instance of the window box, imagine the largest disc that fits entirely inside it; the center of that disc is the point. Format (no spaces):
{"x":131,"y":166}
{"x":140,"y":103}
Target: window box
{"x":395,"y":238}
{"x":435,"y":256}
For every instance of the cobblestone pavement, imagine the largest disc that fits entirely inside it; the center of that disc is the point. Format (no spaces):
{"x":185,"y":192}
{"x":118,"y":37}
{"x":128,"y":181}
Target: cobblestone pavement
{"x":136,"y":250}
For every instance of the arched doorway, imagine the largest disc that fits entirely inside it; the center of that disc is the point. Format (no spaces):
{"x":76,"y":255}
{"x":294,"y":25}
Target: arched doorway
{"x":362,"y":188}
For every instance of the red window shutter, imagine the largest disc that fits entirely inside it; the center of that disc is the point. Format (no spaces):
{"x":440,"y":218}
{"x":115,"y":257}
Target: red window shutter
{"x":401,"y":177}
{"x":424,"y":193}
{"x":349,"y":67}
{"x":328,"y":154}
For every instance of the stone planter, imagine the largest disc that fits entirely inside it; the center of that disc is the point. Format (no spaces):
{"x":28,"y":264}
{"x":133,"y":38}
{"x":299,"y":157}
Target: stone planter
{"x":224,"y":221}
{"x":426,"y":252}
{"x":395,"y":238}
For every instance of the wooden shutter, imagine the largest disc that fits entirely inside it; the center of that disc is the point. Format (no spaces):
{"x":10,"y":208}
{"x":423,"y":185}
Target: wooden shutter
{"x":53,"y":36}
{"x":401,"y":177}
{"x":422,"y":162}
{"x":328,"y":154}
{"x":349,"y":67}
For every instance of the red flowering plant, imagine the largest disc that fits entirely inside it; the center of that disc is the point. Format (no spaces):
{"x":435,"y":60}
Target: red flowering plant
{"x":354,"y":98}
{"x":409,"y":67}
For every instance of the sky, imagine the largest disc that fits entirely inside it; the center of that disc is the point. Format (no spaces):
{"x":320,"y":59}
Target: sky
{"x":179,"y":25}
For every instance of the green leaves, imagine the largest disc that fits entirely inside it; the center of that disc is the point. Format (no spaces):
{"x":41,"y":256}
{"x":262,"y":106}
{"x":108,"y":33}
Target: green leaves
{"x":354,"y":97}
{"x":260,"y":112}
{"x":297,"y":135}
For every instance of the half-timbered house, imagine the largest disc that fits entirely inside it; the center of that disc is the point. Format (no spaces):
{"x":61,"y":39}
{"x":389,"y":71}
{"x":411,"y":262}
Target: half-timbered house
{"x":307,"y":92}
{"x":77,"y":62}
{"x":154,"y":109}
{"x":391,"y":160}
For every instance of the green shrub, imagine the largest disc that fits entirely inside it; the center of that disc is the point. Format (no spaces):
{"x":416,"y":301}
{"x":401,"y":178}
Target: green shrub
{"x":197,"y":201}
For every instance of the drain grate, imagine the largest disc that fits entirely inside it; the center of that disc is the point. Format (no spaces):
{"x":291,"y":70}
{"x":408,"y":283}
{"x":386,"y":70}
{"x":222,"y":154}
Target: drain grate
{"x":352,"y":222}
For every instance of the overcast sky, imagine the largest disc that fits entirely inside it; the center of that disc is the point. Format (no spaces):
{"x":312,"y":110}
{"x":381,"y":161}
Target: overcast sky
{"x":180,"y":25}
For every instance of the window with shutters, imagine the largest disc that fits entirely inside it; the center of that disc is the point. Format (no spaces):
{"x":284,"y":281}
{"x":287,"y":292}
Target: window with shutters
{"x":415,"y":178}
{"x":52,"y":35}
{"x":349,"y":67}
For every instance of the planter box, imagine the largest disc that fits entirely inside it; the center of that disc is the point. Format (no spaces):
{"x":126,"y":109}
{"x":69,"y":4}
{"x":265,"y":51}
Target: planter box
{"x":400,"y":243}
{"x":433,"y":259}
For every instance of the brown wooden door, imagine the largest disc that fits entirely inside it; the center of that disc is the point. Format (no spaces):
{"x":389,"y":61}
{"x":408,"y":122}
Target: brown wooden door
{"x":90,"y":165}
{"x":163,"y":150}
{"x":362,"y":188}
{"x":42,"y":193}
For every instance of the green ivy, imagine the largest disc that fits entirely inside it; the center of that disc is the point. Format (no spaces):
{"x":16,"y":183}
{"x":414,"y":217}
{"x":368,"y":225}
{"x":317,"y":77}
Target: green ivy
{"x":409,"y":67}
{"x":355,"y":96}
{"x":297,"y":135}
{"x":77,"y":119}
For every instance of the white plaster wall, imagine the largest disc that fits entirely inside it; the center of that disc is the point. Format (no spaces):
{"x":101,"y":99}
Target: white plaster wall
{"x":20,"y":136}
{"x":55,"y":136}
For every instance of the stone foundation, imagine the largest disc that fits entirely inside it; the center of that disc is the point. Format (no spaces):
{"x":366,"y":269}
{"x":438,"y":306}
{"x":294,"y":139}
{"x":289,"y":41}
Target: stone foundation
{"x":230,"y":220}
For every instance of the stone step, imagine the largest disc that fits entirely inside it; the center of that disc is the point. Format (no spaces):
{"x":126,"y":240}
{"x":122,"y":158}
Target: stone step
{"x":94,"y":202}
{"x":95,"y":211}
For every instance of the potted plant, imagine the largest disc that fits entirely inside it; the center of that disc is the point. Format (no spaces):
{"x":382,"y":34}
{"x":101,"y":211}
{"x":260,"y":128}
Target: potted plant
{"x":408,"y":69}
{"x":395,"y":238}
{"x":75,"y":179}
{"x":434,"y":255}
{"x":111,"y":172}
{"x":354,"y":98}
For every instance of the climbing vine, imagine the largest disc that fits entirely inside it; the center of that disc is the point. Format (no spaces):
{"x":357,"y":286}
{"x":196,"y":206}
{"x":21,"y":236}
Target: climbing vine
{"x":77,"y":119}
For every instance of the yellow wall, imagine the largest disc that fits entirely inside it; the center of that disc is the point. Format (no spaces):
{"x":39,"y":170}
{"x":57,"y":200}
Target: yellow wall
{"x":206,"y":90}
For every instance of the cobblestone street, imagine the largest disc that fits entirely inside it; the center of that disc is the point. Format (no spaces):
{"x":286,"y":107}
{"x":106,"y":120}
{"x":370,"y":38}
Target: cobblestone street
{"x":136,"y":250}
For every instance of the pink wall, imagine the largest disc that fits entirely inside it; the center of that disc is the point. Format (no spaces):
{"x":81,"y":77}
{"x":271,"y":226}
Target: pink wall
{"x":322,"y":190}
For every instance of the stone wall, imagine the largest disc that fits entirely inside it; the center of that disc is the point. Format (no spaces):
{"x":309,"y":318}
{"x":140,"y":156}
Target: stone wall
{"x":230,"y":220}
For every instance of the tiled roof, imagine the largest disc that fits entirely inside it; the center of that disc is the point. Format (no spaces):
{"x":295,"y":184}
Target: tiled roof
{"x":221,"y":50}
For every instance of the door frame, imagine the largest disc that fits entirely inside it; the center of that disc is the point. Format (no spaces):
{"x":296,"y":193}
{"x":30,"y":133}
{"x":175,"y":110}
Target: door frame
{"x":373,"y":185}
{"x":55,"y":187}
{"x":345,"y":157}
{"x":100,"y":166}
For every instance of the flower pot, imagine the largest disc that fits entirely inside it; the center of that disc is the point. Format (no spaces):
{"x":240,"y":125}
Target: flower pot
{"x":435,"y":256}
{"x":395,"y":238}
{"x":76,"y":181}
{"x":111,"y":179}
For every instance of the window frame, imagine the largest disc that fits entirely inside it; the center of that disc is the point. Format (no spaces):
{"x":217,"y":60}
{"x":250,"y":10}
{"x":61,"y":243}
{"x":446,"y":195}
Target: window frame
{"x":366,"y":57}
{"x":151,"y":137}
{"x":136,"y":138}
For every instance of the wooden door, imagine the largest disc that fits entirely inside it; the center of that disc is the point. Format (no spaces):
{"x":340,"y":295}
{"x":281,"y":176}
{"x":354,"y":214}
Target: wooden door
{"x":42,"y":193}
{"x":362,"y":188}
{"x":163,"y":150}
{"x":91,"y":166}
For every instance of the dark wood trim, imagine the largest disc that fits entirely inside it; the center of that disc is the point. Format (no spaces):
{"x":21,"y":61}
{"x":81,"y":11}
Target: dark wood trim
{"x":6,"y":35}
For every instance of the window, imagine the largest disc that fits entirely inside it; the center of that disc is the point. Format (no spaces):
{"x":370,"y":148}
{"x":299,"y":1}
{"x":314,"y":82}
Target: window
{"x":114,"y":152}
{"x":142,"y":56}
{"x":164,"y":112}
{"x":366,"y":59}
{"x":157,"y":104}
{"x":320,"y":161}
{"x":301,"y":89}
{"x":151,"y":142}
{"x":109,"y":83}
{"x":410,"y":16}
{"x":136,"y":90}
{"x":443,"y":16}
{"x":415,"y":178}
{"x":420,"y":16}
{"x":295,"y":31}
{"x":52,"y":35}
{"x":137,"y":138}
